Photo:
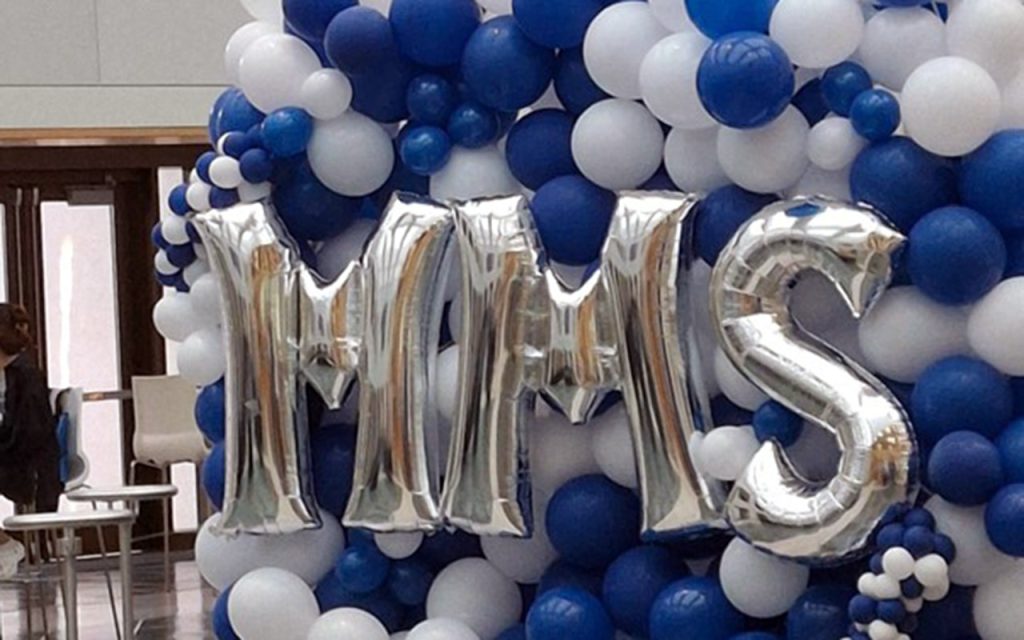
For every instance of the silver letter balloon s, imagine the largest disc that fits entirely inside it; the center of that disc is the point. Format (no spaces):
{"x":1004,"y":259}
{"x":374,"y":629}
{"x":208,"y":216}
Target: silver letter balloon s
{"x":770,"y":504}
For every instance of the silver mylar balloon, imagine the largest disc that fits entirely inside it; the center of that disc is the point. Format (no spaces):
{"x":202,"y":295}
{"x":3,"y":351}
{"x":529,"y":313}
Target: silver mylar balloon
{"x":771,"y":505}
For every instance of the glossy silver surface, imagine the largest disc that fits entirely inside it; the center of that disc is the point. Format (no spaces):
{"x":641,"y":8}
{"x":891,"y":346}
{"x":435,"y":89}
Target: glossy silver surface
{"x":771,"y":505}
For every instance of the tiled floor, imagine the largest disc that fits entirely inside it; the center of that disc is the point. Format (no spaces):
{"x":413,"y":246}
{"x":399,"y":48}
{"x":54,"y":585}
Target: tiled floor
{"x":179,"y":613}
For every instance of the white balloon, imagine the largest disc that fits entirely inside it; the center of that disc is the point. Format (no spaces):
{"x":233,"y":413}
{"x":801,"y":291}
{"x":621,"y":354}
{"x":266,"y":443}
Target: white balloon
{"x":815,"y":454}
{"x":833,"y":144}
{"x":616,"y":43}
{"x":326,"y":94}
{"x":990,"y":33}
{"x":817,"y":181}
{"x":352,"y":155}
{"x":735,"y":385}
{"x":174,"y":229}
{"x":898,"y":40}
{"x":474,"y":592}
{"x":400,"y":545}
{"x":672,"y":15}
{"x":205,"y":298}
{"x":266,"y":10}
{"x":163,"y":265}
{"x":726,"y":451}
{"x":817,"y":33}
{"x":977,"y":560}
{"x":240,"y":41}
{"x":308,"y":554}
{"x":906,"y":332}
{"x":474,"y":173}
{"x":768,"y":159}
{"x":174,"y":316}
{"x":559,"y":452}
{"x":442,"y":629}
{"x":523,"y":559}
{"x":497,"y":7}
{"x":950,"y":106}
{"x":668,"y":80}
{"x":347,"y":624}
{"x":383,"y":6}
{"x":194,"y":271}
{"x":337,"y":253}
{"x":617,"y":143}
{"x":447,"y":382}
{"x":997,"y":611}
{"x":993,"y":329}
{"x":254,"y":192}
{"x":613,"y":447}
{"x":197,"y":195}
{"x":201,"y":357}
{"x":272,"y":604}
{"x":703,"y":334}
{"x":760,"y":585}
{"x":817,"y":307}
{"x":691,"y":159}
{"x":225,"y":172}
{"x":272,"y":70}
{"x":455,"y":317}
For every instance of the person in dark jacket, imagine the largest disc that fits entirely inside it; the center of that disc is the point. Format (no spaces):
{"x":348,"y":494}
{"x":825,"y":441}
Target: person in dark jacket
{"x":29,"y":452}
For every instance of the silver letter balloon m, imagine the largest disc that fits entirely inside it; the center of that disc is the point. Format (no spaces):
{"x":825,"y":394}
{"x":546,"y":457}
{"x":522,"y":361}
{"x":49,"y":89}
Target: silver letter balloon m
{"x":770,"y":504}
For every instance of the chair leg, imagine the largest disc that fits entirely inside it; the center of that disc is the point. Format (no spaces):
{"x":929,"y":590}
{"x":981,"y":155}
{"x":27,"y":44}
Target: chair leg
{"x":165,"y":505}
{"x":106,"y":574}
{"x":124,"y":536}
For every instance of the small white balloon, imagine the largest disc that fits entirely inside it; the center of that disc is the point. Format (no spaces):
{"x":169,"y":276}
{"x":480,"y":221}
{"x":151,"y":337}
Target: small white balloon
{"x":907,"y":331}
{"x":616,"y":43}
{"x":474,"y":173}
{"x":474,"y":592}
{"x":201,"y":357}
{"x":768,"y":159}
{"x":347,"y":624}
{"x":272,"y":604}
{"x":197,"y":195}
{"x":833,"y":144}
{"x":977,"y":560}
{"x":898,"y":563}
{"x":352,"y":155}
{"x":254,"y":192}
{"x":240,"y":41}
{"x":726,"y":451}
{"x":760,"y":585}
{"x":398,"y":546}
{"x":672,"y":15}
{"x":993,"y":328}
{"x":225,"y":172}
{"x":446,"y":382}
{"x":174,"y":316}
{"x":668,"y":80}
{"x":272,"y":70}
{"x":163,"y":265}
{"x":174,"y":228}
{"x":997,"y":611}
{"x":950,"y":106}
{"x":817,"y":33}
{"x":898,"y":40}
{"x":613,"y":447}
{"x":691,"y":159}
{"x":265,"y":10}
{"x":206,"y":300}
{"x":326,"y":94}
{"x":735,"y":385}
{"x":559,"y":452}
{"x":617,"y":143}
{"x":990,"y":33}
{"x":442,"y":629}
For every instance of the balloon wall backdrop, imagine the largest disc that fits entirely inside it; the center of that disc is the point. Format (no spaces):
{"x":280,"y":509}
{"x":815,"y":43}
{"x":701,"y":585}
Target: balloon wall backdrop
{"x":596,"y":320}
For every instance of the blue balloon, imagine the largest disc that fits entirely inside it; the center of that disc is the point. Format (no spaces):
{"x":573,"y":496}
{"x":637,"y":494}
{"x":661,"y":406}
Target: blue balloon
{"x":990,"y":180}
{"x":556,"y":24}
{"x":875,"y":114}
{"x":443,"y":548}
{"x":517,"y":632}
{"x":213,"y":120}
{"x":572,"y":216}
{"x":841,"y":84}
{"x":203,"y":163}
{"x":333,"y":457}
{"x":566,"y":574}
{"x":431,"y":99}
{"x":772,"y":421}
{"x":309,"y":18}
{"x":819,"y":613}
{"x":1004,"y":520}
{"x":209,"y":411}
{"x":425,"y":149}
{"x":223,"y":198}
{"x":539,"y":148}
{"x":503,"y":69}
{"x":632,"y":583}
{"x":381,"y":94}
{"x":473,"y":125}
{"x":960,"y":393}
{"x":955,"y":256}
{"x":575,"y":89}
{"x":157,"y":236}
{"x":362,"y":569}
{"x":234,"y":113}
{"x":945,"y":619}
{"x":810,"y":101}
{"x":213,"y":476}
{"x":330,"y":594}
{"x":716,"y":18}
{"x":1011,"y":451}
{"x":755,"y":635}
{"x":168,"y":280}
{"x":256,"y":166}
{"x":181,"y":255}
{"x":433,"y":32}
{"x":568,"y":612}
{"x":409,"y":581}
{"x":236,"y":143}
{"x":965,"y":468}
{"x":720,"y":215}
{"x":359,"y":40}
{"x":902,"y":180}
{"x":219,"y":617}
{"x":694,"y":609}
{"x":286,"y":132}
{"x":310,"y":210}
{"x":745,"y":80}
{"x":177,"y":202}
{"x":591,"y":520}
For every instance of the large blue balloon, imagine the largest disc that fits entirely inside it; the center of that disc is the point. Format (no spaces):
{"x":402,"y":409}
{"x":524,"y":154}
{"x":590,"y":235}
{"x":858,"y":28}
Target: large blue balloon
{"x":503,"y":69}
{"x":233,"y":112}
{"x":380,"y":93}
{"x":568,"y":612}
{"x":745,"y":80}
{"x":433,"y":32}
{"x":694,"y":609}
{"x":820,"y":613}
{"x":210,"y":411}
{"x":309,"y":18}
{"x":539,"y":148}
{"x":333,"y":453}
{"x":632,"y":583}
{"x":310,"y":210}
{"x":576,"y":90}
{"x":556,"y":24}
{"x":721,"y":214}
{"x":959,"y":393}
{"x":591,"y":520}
{"x":359,"y":40}
{"x":572,"y":216}
{"x":213,"y":476}
{"x":717,"y":18}
{"x":990,"y":180}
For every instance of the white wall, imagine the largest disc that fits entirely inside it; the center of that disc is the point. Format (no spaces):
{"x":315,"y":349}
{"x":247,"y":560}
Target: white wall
{"x":112,"y":63}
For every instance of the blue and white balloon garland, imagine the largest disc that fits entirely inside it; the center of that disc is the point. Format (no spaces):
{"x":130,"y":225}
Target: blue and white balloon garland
{"x":914,"y":109}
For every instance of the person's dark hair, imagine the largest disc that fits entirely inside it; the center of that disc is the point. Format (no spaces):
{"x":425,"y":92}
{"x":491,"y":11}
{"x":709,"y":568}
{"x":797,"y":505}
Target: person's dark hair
{"x":14,"y":329}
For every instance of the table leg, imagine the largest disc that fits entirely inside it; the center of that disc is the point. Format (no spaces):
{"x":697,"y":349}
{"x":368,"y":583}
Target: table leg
{"x":70,"y":585}
{"x":127,"y":609}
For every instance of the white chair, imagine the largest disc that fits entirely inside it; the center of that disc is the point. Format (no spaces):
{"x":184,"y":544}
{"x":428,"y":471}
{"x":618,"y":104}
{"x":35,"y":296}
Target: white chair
{"x":69,"y":401}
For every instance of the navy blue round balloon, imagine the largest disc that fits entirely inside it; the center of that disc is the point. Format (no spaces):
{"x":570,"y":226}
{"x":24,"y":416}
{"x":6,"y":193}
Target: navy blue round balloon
{"x":286,"y":132}
{"x":745,"y":80}
{"x":841,"y":84}
{"x":503,"y":69}
{"x":209,"y":411}
{"x":960,"y":393}
{"x":875,"y":114}
{"x":633,"y":581}
{"x":233,"y":112}
{"x":473,"y":125}
{"x":1004,"y":520}
{"x":444,"y":548}
{"x":539,"y":147}
{"x":568,"y":612}
{"x":755,"y":635}
{"x":694,"y":609}
{"x":575,"y":89}
{"x":965,"y":468}
{"x":182,"y":255}
{"x":810,"y":101}
{"x":990,"y":179}
{"x":591,"y":520}
{"x":213,"y":476}
{"x":425,"y":149}
{"x":333,"y":454}
{"x":177,"y":202}
{"x":716,"y":18}
{"x":946,"y":619}
{"x":256,"y":166}
{"x":359,"y":40}
{"x":721,"y":214}
{"x":431,"y":99}
{"x":157,"y":236}
{"x":309,"y":18}
{"x":223,"y":198}
{"x":219,"y":617}
{"x":433,"y":32}
{"x":409,"y":581}
{"x":565,"y":574}
{"x":556,"y":24}
{"x":572,"y":216}
{"x":902,"y":180}
{"x":310,"y":210}
{"x":381,"y":94}
{"x":331,"y":594}
{"x":203,"y":163}
{"x":772,"y":421}
{"x":362,"y":568}
{"x":236,"y":143}
{"x":819,"y":613}
{"x":1011,"y":451}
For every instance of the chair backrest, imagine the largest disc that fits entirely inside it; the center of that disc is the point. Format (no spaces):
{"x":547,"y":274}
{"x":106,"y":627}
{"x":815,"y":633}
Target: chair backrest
{"x":69,"y":401}
{"x":165,"y":425}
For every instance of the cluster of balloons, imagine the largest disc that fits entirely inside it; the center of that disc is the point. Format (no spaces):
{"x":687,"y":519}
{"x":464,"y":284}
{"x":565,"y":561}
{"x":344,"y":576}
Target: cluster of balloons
{"x":909,"y":106}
